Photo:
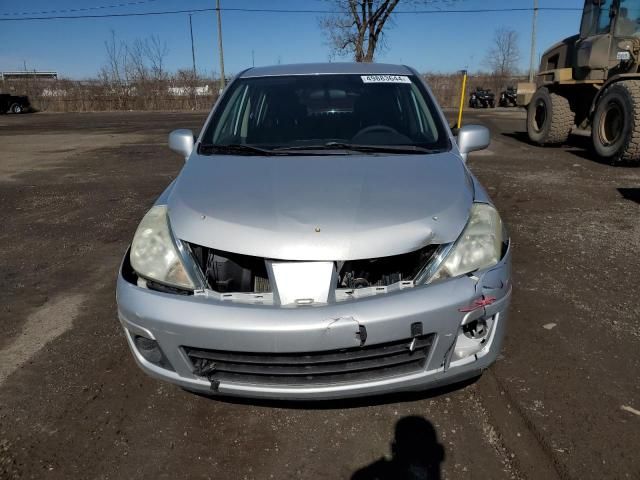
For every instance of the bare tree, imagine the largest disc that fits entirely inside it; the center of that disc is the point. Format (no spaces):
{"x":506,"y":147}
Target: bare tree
{"x":114,"y":71}
{"x":156,"y":51}
{"x":136,"y":62}
{"x":357,"y":29}
{"x":135,"y":71}
{"x":504,"y":54}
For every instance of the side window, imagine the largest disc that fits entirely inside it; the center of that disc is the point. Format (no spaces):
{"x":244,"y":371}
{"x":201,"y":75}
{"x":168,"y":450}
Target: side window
{"x":595,"y":19}
{"x":628,"y":21}
{"x":604,"y":20}
{"x":589,"y":20}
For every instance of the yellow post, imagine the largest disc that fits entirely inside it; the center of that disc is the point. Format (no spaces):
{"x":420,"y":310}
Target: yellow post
{"x":464,"y":88}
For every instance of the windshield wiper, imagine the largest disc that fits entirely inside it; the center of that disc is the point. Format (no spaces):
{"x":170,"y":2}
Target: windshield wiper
{"x":361,"y":148}
{"x":235,"y":149}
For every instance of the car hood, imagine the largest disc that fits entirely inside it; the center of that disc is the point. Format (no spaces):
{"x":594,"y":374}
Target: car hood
{"x":327,"y":207}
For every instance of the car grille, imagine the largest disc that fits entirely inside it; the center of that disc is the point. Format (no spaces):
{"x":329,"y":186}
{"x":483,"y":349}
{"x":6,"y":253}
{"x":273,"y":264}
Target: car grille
{"x":346,"y":365}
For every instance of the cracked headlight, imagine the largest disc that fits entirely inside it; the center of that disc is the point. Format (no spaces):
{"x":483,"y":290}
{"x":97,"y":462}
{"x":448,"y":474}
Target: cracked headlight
{"x":479,"y":245}
{"x":154,"y":253}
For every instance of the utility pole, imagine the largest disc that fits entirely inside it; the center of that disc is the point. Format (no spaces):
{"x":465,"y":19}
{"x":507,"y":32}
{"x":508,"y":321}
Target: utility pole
{"x":193,"y":51}
{"x":222,"y":78}
{"x":253,"y":58}
{"x":532,"y":66}
{"x":193,"y":59}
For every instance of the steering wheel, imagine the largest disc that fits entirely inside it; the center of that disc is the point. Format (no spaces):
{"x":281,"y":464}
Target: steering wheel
{"x":376,"y":128}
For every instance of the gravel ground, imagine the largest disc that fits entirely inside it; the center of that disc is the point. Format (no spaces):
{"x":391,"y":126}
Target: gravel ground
{"x":563,"y":400}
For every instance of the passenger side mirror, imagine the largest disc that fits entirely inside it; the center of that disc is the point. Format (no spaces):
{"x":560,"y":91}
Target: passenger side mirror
{"x":181,"y":141}
{"x":472,"y":138}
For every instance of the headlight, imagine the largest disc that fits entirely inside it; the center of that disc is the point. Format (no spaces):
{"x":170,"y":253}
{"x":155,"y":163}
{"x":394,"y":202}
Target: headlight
{"x":479,"y":245}
{"x":154,"y":254}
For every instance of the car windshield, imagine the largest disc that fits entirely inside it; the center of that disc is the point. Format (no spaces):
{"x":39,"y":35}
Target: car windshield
{"x":315,"y":113}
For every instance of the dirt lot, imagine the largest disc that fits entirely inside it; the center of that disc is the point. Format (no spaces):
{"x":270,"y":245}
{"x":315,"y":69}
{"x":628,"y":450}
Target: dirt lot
{"x":563,"y":401}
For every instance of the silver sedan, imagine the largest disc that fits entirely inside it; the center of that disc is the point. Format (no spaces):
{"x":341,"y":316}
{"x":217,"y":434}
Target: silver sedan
{"x":325,"y":239}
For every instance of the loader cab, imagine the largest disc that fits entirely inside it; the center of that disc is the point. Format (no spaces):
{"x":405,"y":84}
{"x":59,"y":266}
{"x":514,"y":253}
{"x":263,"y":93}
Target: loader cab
{"x":593,"y":48}
{"x":621,"y":18}
{"x":604,"y":24}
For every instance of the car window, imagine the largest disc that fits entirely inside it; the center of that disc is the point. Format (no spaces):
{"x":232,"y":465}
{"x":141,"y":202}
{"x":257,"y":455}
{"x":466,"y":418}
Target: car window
{"x":289,"y":111}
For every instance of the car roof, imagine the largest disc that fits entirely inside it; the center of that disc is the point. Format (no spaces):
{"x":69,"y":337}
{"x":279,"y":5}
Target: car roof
{"x":327,"y":68}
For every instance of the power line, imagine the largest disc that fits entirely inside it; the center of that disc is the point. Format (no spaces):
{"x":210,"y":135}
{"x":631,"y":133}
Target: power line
{"x":269,"y":10}
{"x":110,"y":15}
{"x":82,"y":9}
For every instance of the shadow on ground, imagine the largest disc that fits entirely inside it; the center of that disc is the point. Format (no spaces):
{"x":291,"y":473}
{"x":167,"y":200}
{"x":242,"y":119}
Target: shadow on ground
{"x":632,"y":194}
{"x":415,"y":451}
{"x":577,"y":145}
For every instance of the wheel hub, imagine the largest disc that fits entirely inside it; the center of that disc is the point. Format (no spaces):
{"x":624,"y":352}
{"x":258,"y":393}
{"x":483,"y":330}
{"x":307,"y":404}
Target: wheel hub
{"x":540,"y":116}
{"x":610,"y":129}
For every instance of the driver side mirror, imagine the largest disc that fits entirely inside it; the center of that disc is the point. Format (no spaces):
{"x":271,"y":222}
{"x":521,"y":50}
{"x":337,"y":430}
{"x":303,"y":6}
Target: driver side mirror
{"x":181,"y":141}
{"x":472,"y":138}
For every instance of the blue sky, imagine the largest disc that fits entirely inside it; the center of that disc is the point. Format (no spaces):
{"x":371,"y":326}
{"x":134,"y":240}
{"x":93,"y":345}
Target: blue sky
{"x":435,"y":42}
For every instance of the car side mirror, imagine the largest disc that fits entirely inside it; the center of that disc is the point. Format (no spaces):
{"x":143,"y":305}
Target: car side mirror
{"x":472,"y":138}
{"x":181,"y":141}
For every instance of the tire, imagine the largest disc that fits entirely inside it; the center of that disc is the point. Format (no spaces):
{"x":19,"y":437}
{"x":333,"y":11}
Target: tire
{"x":615,"y":130}
{"x":549,"y":118}
{"x":16,"y":108}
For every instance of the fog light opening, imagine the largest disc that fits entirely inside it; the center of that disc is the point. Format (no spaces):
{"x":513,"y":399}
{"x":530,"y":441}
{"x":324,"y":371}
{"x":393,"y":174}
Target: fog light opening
{"x":478,"y":329}
{"x":472,"y":338}
{"x":149,"y":349}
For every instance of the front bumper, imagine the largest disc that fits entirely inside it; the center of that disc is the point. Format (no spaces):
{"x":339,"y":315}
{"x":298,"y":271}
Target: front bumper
{"x":176,"y":322}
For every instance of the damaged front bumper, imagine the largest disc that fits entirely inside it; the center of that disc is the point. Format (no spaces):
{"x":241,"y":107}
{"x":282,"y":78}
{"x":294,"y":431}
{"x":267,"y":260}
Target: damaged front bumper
{"x":408,"y":340}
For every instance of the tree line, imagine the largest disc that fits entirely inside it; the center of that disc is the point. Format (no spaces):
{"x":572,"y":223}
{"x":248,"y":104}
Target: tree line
{"x":135,"y":76}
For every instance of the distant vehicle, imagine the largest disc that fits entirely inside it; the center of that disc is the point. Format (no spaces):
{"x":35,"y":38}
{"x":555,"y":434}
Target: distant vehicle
{"x":509,"y":98}
{"x":14,"y":103}
{"x":591,"y":81}
{"x":346,"y":249}
{"x":482,"y":98}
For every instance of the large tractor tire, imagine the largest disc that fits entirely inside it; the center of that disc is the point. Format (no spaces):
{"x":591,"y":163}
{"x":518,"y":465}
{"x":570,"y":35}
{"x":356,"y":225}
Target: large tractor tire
{"x":615,"y":129}
{"x":549,"y":118}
